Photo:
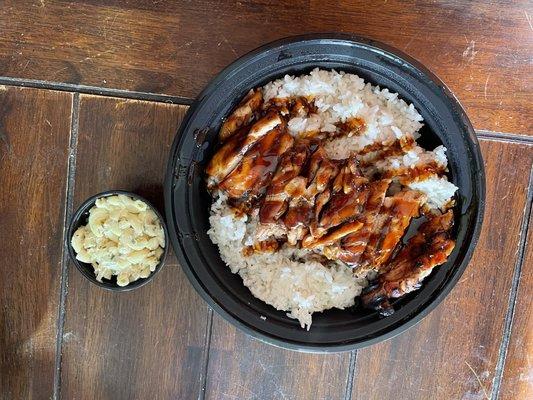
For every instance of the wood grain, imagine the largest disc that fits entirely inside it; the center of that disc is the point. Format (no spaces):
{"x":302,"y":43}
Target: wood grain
{"x":452,"y":354}
{"x":146,"y":343}
{"x":517,"y":381}
{"x":34,"y":141}
{"x":244,"y":368}
{"x":482,"y":50}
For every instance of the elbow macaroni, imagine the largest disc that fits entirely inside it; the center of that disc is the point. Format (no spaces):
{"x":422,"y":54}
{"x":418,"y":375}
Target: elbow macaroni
{"x":123,"y":237}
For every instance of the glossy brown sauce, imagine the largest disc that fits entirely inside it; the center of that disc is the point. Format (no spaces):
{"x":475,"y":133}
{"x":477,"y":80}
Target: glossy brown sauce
{"x":321,"y":202}
{"x":351,"y":127}
{"x":415,"y":173}
{"x":396,"y":148}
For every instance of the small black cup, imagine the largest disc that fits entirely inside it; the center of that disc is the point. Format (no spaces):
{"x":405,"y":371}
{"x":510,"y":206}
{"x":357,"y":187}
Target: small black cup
{"x":81,"y":217}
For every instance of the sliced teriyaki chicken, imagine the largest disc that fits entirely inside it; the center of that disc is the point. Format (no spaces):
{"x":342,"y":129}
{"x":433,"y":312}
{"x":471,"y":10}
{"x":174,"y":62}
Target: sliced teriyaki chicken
{"x":333,"y":235}
{"x":347,"y":200}
{"x":233,"y":150}
{"x":428,"y":248}
{"x":338,"y":214}
{"x":300,"y":108}
{"x":242,"y":115}
{"x":352,"y":246}
{"x":251,"y":177}
{"x":405,"y":161}
{"x":303,"y":191}
{"x":300,"y":211}
{"x":277,"y":197}
{"x":389,"y":227}
{"x":397,"y":147}
{"x":351,"y":127}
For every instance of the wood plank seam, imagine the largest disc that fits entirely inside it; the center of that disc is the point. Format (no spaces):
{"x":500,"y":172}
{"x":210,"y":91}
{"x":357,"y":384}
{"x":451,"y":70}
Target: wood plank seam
{"x":69,"y":194}
{"x":488,"y":135}
{"x":514,"y":137}
{"x":205,"y":353}
{"x":95,"y":90}
{"x":515,"y":283}
{"x":351,"y":374}
{"x":521,"y":138}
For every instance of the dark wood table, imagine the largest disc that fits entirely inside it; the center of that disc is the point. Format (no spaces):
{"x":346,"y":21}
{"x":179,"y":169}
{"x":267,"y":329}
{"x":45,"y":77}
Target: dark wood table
{"x":91,"y":96}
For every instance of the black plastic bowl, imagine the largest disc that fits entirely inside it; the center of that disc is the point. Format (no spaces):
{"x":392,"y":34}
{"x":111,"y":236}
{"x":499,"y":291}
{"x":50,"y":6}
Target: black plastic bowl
{"x":81,"y":217}
{"x":187,"y":202}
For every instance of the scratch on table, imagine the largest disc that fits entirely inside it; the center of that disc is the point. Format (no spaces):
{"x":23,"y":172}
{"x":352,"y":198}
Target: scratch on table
{"x":478,"y":380}
{"x":229,"y":45}
{"x":90,"y":57}
{"x":264,"y":367}
{"x":281,"y":392}
{"x":252,"y":393}
{"x":464,"y":279}
{"x":122,"y":103}
{"x":106,"y":28}
{"x":68,"y":336}
{"x":470,"y":52}
{"x":528,"y":20}
{"x":4,"y":138}
{"x":408,"y":43}
{"x":230,"y":396}
{"x":57,"y":72}
{"x":486,"y":86}
{"x":48,"y":123}
{"x":183,"y":45}
{"x":114,"y":19}
{"x":26,"y":66}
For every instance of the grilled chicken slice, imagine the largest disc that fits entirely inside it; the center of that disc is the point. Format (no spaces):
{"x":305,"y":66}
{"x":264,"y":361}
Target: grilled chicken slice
{"x":352,"y":246}
{"x":320,"y":201}
{"x":304,"y":191}
{"x":350,"y":192}
{"x":340,"y":206}
{"x":417,"y":173}
{"x":351,"y":127}
{"x":277,"y":198}
{"x":300,"y":212}
{"x":231,"y":153}
{"x":322,"y":171}
{"x":428,"y":248}
{"x":389,"y":226}
{"x":395,"y":147}
{"x":242,"y":115}
{"x":332,"y":236}
{"x":300,"y":108}
{"x":253,"y":174}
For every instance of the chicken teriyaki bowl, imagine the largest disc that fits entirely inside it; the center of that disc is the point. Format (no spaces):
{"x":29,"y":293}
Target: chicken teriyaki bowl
{"x":316,"y":181}
{"x":324,"y":193}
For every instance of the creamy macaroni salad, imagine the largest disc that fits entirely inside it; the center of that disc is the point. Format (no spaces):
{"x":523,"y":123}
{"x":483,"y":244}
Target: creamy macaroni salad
{"x":123,"y":237}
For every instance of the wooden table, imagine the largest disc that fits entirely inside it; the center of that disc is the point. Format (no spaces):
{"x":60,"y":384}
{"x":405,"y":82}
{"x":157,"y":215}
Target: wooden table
{"x":91,"y":96}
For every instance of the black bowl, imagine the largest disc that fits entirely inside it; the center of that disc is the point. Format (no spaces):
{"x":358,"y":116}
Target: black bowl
{"x":187,"y":202}
{"x":81,"y":217}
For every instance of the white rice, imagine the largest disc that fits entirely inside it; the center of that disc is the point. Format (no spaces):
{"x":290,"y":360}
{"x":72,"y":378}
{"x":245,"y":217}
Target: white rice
{"x":288,"y":279}
{"x":439,"y":189}
{"x":291,"y":279}
{"x":339,"y":96}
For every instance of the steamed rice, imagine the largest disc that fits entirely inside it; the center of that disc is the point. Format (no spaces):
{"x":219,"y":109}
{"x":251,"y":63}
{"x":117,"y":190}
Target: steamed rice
{"x":292,"y":279}
{"x":287,"y":279}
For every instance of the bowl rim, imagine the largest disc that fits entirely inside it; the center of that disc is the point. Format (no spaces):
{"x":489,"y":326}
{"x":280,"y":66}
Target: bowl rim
{"x":430,"y":305}
{"x":76,"y":216}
